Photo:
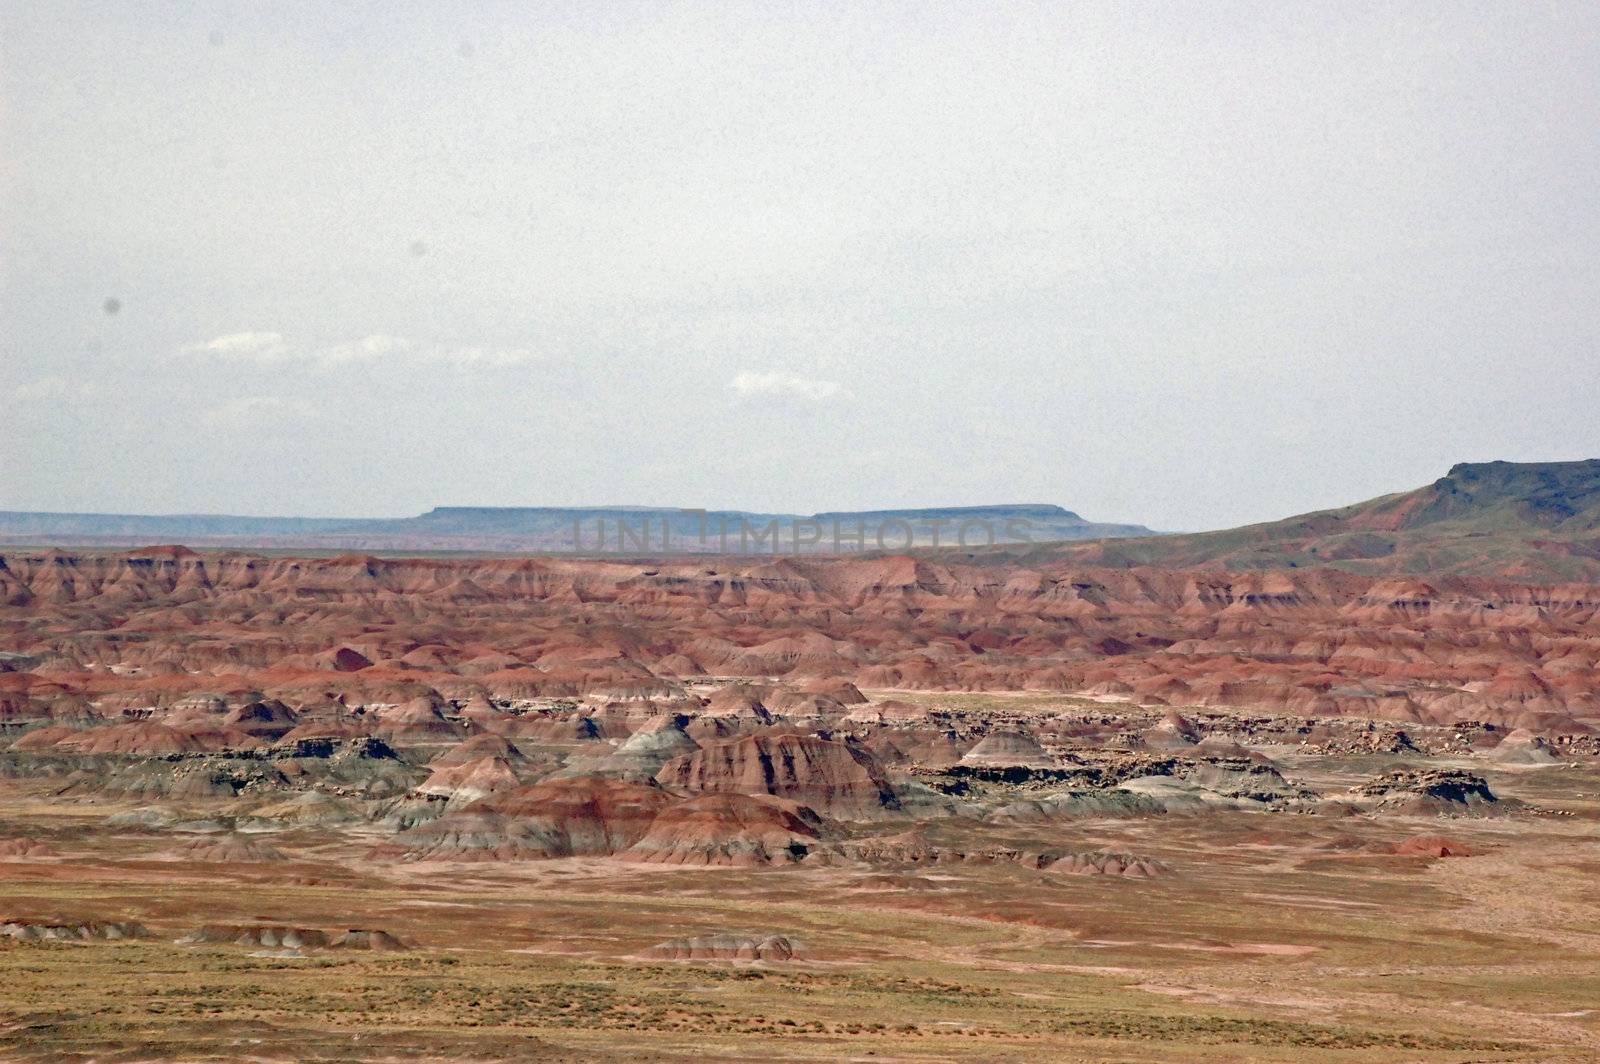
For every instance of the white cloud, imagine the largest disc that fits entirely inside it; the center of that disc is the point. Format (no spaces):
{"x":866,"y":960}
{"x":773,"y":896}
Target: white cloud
{"x":367,"y":349}
{"x":245,"y":346}
{"x":777,"y":383}
{"x":270,"y":348}
{"x":254,"y":410}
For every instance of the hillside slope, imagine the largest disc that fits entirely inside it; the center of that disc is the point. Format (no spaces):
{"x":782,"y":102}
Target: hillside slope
{"x":1534,"y":521}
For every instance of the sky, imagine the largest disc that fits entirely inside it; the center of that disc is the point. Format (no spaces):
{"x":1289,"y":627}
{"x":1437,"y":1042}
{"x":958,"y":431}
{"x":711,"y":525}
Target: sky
{"x":1187,"y":265}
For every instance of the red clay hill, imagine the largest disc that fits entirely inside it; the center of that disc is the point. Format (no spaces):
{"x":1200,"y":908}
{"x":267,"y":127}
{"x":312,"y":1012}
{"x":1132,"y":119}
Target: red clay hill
{"x":177,"y":652}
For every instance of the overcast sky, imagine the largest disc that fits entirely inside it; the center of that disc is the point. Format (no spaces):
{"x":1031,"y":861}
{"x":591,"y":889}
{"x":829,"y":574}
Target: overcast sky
{"x":1186,"y":265}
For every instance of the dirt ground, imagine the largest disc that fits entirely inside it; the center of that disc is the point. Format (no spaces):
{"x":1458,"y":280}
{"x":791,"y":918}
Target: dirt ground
{"x":1276,"y":937}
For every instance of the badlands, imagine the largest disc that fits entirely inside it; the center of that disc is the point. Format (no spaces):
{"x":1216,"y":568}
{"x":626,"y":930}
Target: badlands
{"x":906,"y":807}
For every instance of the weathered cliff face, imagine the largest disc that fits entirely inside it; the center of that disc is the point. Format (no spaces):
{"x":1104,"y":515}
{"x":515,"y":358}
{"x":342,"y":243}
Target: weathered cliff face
{"x":138,"y":634}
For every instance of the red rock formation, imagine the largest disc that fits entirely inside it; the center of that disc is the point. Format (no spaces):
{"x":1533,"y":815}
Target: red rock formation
{"x":419,"y":720}
{"x":1317,"y":642}
{"x":728,"y":829}
{"x":835,"y":777}
{"x":470,"y":781}
{"x":585,"y":816}
{"x":479,"y":746}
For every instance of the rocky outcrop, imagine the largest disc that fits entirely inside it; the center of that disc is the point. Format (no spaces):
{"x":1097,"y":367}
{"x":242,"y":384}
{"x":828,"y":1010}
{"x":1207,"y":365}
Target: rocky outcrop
{"x":1428,"y":792}
{"x":470,"y":781}
{"x":835,"y":777}
{"x":587,"y":816}
{"x":25,"y":929}
{"x":1523,"y":747}
{"x":728,"y":829}
{"x":261,"y":937}
{"x":728,"y":947}
{"x":378,"y":941}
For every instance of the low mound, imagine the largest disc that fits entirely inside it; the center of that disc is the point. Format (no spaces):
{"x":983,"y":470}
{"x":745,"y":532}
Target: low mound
{"x":227,"y":849}
{"x":893,"y":711}
{"x":24,"y":849}
{"x":728,"y":829}
{"x":646,"y":751}
{"x":29,"y":930}
{"x":905,"y":847}
{"x":420,"y":720}
{"x":344,"y":659}
{"x":586,"y":816}
{"x":1216,"y":746}
{"x":313,"y":808}
{"x":141,"y":738}
{"x":1431,"y":846}
{"x":1077,"y":804}
{"x":333,"y":731}
{"x":1126,"y":865}
{"x":45,"y":738}
{"x":487,"y":744}
{"x":1429,"y":792}
{"x":1523,"y":747}
{"x":913,"y":847}
{"x":1004,"y":749}
{"x":470,"y":781}
{"x":1240,"y":777}
{"x":739,"y":703}
{"x":270,"y":719}
{"x":145,"y":818}
{"x":555,"y":730}
{"x":834,"y":777}
{"x":368,"y":939}
{"x":728,"y":947}
{"x":842,"y":691}
{"x":268,"y":937}
{"x":1173,"y":732}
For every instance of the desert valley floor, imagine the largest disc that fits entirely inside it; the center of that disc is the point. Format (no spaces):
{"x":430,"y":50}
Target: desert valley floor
{"x":732,"y":809}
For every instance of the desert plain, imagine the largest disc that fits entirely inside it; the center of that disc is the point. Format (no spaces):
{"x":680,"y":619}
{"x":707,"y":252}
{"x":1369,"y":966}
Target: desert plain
{"x":901,"y":808}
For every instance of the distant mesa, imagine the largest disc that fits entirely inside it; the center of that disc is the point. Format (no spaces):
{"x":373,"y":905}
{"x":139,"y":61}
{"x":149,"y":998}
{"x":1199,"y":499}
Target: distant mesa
{"x":1534,"y":522}
{"x":593,"y":529}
